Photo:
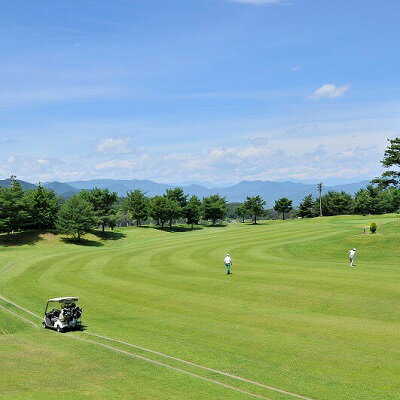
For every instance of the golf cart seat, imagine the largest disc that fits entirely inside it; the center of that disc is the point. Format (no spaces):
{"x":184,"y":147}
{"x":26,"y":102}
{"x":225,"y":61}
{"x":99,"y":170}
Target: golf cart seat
{"x":66,"y":318}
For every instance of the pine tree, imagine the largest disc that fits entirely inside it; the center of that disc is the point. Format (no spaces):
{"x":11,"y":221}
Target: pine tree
{"x":214,"y":208}
{"x":76,"y":217}
{"x":43,"y":206}
{"x":137,"y":204}
{"x":255,"y":206}
{"x":307,"y":207}
{"x":13,"y":208}
{"x":102,"y":201}
{"x":192,"y":210}
{"x":283,"y":205}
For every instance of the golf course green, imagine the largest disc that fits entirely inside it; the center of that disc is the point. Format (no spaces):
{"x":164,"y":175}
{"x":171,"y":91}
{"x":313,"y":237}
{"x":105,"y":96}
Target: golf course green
{"x":163,"y":320}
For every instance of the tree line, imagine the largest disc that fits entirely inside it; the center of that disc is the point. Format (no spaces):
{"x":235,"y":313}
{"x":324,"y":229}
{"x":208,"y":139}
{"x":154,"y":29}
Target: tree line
{"x":41,"y":208}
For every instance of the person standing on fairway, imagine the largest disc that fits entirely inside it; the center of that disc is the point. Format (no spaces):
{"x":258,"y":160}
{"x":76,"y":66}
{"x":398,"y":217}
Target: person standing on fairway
{"x":352,"y":253}
{"x":228,"y":263}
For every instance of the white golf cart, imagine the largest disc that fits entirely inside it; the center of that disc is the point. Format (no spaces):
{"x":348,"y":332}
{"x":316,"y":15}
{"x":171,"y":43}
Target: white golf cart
{"x":65,"y":317}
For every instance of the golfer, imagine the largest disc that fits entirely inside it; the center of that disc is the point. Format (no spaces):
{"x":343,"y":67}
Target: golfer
{"x":352,"y":254}
{"x":228,"y":263}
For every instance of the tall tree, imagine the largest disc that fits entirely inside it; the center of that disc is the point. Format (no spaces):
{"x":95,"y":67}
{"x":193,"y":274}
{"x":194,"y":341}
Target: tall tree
{"x":319,"y":187}
{"x":214,"y":208}
{"x":137,"y":204}
{"x":13,"y":208}
{"x":391,"y":158}
{"x":307,"y":206}
{"x":255,"y":206}
{"x":242,"y":211}
{"x":283,"y":205}
{"x":337,"y":203}
{"x":43,"y":206}
{"x":102,"y":201}
{"x":76,"y":217}
{"x":179,"y":197}
{"x":192,"y":210}
{"x":162,"y":209}
{"x":363,"y":202}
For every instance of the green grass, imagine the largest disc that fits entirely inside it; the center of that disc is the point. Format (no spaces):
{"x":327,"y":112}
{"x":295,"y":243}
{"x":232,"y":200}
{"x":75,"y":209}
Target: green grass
{"x":292,"y":315}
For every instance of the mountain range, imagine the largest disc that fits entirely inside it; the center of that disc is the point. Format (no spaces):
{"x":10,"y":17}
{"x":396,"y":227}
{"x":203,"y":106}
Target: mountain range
{"x":268,"y":190}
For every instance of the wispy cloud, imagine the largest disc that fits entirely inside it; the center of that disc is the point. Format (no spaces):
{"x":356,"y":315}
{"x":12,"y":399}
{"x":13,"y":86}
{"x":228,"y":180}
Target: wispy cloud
{"x":329,"y":91}
{"x":115,"y":164}
{"x":119,"y":145}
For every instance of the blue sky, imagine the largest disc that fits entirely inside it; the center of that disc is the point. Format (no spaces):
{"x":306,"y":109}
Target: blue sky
{"x":212,"y":91}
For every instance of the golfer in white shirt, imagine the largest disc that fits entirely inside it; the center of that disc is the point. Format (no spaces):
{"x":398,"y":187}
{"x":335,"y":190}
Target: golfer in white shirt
{"x":352,"y":253}
{"x":228,"y":263}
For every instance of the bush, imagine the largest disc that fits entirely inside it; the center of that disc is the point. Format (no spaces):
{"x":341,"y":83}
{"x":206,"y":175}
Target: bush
{"x":373,"y":227}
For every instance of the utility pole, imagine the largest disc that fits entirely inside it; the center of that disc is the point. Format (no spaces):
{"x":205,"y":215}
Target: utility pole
{"x":320,"y":198}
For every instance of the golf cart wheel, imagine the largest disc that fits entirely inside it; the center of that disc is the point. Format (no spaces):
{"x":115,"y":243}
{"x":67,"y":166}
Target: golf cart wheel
{"x":60,"y":330}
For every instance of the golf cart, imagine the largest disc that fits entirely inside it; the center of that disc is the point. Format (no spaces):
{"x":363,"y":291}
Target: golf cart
{"x":63,"y":318}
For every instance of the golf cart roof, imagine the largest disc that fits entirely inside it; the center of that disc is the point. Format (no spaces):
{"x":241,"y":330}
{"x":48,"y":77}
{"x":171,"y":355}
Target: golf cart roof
{"x":63,"y":299}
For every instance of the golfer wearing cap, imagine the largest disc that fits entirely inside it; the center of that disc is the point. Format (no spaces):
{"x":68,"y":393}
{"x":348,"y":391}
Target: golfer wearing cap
{"x":352,"y":253}
{"x":228,"y":263}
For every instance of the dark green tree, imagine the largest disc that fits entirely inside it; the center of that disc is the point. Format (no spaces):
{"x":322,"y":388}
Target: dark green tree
{"x":255,"y":206}
{"x":337,"y":203}
{"x":391,"y":158}
{"x":137,"y":205}
{"x":178,"y":196}
{"x":307,"y":207}
{"x":214,"y":208}
{"x":102,"y":201}
{"x":242,"y":212}
{"x":363,"y":202}
{"x":192,"y":210}
{"x":283,"y":205}
{"x":162,"y":209}
{"x":43,"y":206}
{"x":76,"y":217}
{"x":13,"y":208}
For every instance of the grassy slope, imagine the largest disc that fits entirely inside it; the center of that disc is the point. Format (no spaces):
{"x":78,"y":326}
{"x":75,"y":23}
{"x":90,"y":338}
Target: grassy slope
{"x":292,"y":315}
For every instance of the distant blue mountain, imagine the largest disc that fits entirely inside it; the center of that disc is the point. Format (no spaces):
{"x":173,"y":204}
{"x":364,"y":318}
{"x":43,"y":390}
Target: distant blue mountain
{"x":62,"y":189}
{"x":269,"y":191}
{"x":25,"y":185}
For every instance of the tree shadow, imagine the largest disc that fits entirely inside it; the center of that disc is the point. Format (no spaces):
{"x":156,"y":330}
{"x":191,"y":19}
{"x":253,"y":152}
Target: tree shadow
{"x":109,"y":235}
{"x":218,"y":226}
{"x":21,"y":238}
{"x":176,"y":229}
{"x":82,"y":242}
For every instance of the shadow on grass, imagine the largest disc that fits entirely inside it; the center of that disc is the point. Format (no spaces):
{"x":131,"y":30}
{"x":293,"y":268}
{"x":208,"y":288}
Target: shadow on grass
{"x":109,"y":235}
{"x":82,"y":242}
{"x":175,"y":229}
{"x":21,"y":238}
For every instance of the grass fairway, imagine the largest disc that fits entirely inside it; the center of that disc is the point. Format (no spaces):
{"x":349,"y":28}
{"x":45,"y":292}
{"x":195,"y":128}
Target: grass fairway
{"x":292,"y":315}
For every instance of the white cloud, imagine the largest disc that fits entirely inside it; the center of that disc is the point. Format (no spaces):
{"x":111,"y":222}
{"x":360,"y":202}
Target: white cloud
{"x":329,"y":91}
{"x":116,"y":164}
{"x":256,"y":2}
{"x":119,"y":145}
